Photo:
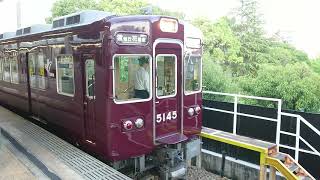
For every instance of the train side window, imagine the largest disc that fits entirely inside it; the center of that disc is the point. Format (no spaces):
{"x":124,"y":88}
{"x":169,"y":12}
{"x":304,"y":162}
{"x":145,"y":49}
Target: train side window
{"x":192,"y":74}
{"x":1,"y":68}
{"x":90,"y":79}
{"x":126,"y":68}
{"x":14,"y":70}
{"x":65,"y":75}
{"x":166,"y":76}
{"x":41,"y":72}
{"x":6,"y":70}
{"x":32,"y":70}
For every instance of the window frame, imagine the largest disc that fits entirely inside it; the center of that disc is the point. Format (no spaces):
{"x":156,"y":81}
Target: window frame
{"x":184,"y":84}
{"x":175,"y":76}
{"x":129,"y":101}
{"x":86,"y":76}
{"x":57,"y":76}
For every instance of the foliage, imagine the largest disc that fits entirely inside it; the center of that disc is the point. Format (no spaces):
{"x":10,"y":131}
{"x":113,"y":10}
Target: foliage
{"x":64,"y":7}
{"x":293,"y":83}
{"x":118,"y":7}
{"x":123,"y":7}
{"x":315,"y":65}
{"x":284,"y":53}
{"x":158,"y":11}
{"x":216,"y":79}
{"x":220,"y":42}
{"x":247,"y":24}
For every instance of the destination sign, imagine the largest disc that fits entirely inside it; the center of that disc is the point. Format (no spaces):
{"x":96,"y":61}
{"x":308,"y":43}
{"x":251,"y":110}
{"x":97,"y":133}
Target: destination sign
{"x":131,"y":39}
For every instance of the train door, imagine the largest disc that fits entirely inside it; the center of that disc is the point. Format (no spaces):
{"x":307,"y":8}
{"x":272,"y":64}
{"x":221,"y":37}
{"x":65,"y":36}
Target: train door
{"x":89,"y":96}
{"x":168,"y":87}
{"x":35,"y":60}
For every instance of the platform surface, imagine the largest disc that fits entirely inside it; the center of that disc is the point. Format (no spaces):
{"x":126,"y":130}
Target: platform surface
{"x":51,"y":156}
{"x":242,"y":141}
{"x":11,"y":166}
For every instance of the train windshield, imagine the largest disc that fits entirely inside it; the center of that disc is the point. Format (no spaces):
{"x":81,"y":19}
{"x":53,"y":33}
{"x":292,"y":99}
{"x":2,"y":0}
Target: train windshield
{"x":132,"y":78}
{"x":192,"y":72}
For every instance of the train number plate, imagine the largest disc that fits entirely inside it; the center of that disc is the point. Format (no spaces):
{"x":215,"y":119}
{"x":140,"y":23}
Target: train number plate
{"x":167,"y":116}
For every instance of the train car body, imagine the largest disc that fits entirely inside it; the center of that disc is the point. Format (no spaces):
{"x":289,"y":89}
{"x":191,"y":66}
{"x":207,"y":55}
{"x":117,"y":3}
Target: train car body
{"x":80,"y":73}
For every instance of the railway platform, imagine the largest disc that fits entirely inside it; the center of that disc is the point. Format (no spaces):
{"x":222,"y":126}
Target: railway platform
{"x":30,"y":152}
{"x":269,"y":155}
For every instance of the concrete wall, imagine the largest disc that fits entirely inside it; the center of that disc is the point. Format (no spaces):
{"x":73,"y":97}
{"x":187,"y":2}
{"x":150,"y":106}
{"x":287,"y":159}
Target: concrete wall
{"x":234,"y":169}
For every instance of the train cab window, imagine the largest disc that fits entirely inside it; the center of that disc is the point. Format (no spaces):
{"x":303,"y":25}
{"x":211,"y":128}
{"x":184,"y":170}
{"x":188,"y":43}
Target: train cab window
{"x":90,"y":79}
{"x":132,"y":78}
{"x":166,"y":75}
{"x":6,"y":70}
{"x":192,"y":74}
{"x":14,"y":70}
{"x":65,"y":75}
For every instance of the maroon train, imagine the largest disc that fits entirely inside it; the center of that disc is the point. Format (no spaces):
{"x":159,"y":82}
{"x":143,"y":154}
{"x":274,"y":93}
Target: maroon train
{"x":79,"y":74}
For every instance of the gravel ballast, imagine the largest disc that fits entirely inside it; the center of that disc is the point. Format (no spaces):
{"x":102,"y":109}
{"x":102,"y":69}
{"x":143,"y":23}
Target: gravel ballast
{"x":195,"y":173}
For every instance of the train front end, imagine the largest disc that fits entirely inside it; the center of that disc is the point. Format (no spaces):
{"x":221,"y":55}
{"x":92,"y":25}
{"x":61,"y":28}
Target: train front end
{"x":154,"y":115}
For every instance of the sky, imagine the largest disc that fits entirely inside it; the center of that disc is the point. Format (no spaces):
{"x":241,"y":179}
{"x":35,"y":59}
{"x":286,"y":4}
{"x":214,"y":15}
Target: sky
{"x":296,"y":19}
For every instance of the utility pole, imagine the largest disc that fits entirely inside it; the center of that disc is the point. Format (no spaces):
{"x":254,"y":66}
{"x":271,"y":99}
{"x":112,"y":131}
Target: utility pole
{"x":18,"y":13}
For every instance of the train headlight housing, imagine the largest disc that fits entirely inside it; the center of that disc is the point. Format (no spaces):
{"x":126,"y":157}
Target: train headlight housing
{"x":191,"y":111}
{"x":127,"y":125}
{"x":139,"y":123}
{"x":197,"y":109}
{"x":169,"y":25}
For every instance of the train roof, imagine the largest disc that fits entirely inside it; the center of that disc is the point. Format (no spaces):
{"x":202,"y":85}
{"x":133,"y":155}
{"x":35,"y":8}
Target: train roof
{"x":70,"y":21}
{"x":81,"y":18}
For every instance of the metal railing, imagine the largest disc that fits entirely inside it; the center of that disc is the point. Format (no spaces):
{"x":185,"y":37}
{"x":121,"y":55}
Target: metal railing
{"x":299,"y":120}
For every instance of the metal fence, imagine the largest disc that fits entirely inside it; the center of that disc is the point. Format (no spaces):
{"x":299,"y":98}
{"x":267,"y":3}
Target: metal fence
{"x":279,"y":131}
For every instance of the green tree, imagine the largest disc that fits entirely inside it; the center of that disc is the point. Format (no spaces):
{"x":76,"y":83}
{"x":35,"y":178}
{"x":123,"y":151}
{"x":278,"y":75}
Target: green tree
{"x":284,"y":53}
{"x":293,"y":83}
{"x":118,"y":7}
{"x":158,"y":11}
{"x":315,"y":65}
{"x":216,"y":79}
{"x":123,"y":7}
{"x":247,"y":25}
{"x":64,"y":7}
{"x":220,"y":43}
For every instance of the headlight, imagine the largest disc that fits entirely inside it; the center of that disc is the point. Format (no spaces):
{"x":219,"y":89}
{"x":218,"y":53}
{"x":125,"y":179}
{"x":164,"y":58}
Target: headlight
{"x":169,"y":25}
{"x":139,"y":123}
{"x":197,"y":109}
{"x":127,"y":125}
{"x":191,"y":111}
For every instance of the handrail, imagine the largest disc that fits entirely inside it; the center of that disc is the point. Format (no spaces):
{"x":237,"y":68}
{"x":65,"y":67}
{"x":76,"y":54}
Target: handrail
{"x":299,"y":119}
{"x":242,"y":96}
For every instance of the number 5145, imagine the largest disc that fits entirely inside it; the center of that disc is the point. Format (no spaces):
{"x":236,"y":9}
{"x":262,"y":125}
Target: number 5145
{"x":168,"y":116}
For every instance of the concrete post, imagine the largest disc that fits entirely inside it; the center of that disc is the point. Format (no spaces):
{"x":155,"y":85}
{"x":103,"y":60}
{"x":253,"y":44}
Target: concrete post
{"x":198,"y":161}
{"x":1,"y":139}
{"x":272,"y":174}
{"x":198,"y":158}
{"x":262,"y":172}
{"x":188,"y":161}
